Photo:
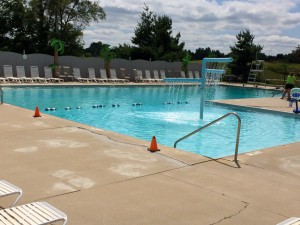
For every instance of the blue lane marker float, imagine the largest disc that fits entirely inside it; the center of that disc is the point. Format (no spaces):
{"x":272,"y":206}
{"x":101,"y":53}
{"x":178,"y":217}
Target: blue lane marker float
{"x":50,"y":109}
{"x":168,"y":103}
{"x":78,"y":107}
{"x":114,"y":105}
{"x":137,"y":104}
{"x":68,"y":108}
{"x":98,"y":106}
{"x":186,"y":102}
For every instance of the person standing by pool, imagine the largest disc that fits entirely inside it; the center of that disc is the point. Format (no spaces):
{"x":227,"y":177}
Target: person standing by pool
{"x":290,"y":83}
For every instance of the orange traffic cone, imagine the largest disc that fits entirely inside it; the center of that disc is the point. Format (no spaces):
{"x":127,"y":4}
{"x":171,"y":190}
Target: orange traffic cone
{"x":153,"y":146}
{"x":37,"y":112}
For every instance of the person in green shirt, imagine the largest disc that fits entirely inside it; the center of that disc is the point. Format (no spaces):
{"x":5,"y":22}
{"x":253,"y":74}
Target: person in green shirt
{"x":290,"y":83}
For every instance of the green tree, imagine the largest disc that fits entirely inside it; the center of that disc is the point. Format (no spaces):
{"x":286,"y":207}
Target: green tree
{"x":15,"y":29}
{"x":123,"y":51}
{"x":94,"y":49}
{"x":155,"y":32}
{"x":201,"y":53}
{"x":294,"y":57}
{"x":144,"y":32}
{"x":65,"y":20}
{"x":31,"y":24}
{"x":244,"y":52}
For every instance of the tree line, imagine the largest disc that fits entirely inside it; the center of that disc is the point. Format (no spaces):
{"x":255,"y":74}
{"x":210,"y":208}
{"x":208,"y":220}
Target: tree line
{"x":31,"y":25}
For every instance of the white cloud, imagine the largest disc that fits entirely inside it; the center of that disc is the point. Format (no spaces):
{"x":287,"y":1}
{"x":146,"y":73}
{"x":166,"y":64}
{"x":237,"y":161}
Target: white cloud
{"x":206,"y":23}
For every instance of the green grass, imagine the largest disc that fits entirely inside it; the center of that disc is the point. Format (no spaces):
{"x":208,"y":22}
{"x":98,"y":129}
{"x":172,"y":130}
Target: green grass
{"x":275,"y":73}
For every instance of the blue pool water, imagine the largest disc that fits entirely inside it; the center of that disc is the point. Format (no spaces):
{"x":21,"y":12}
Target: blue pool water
{"x":168,"y":122}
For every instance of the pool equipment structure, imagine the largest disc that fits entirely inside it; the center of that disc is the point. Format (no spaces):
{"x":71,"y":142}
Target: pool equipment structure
{"x":212,"y":70}
{"x":256,"y":72}
{"x":295,"y":97}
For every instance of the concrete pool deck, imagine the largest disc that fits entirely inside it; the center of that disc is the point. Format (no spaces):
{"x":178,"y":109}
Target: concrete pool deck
{"x":99,"y":177}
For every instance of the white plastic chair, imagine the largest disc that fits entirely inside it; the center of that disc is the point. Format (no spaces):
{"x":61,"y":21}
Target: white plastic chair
{"x":290,"y":221}
{"x":182,"y":74}
{"x":48,"y":75}
{"x":156,"y":76}
{"x":190,"y":74}
{"x":103,"y":75}
{"x":113,"y":76}
{"x":77,"y":76}
{"x":162,"y":74}
{"x":93,"y":77}
{"x":148,"y":76}
{"x":7,"y":188}
{"x":36,"y":213}
{"x":8,"y":74}
{"x":35,"y":75}
{"x":21,"y":74}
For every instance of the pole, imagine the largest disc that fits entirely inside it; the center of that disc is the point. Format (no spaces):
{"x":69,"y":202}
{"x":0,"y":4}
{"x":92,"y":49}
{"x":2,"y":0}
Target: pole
{"x":203,"y":78}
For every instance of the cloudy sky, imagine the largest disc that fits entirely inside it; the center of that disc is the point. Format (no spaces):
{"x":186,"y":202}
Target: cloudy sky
{"x":205,"y":23}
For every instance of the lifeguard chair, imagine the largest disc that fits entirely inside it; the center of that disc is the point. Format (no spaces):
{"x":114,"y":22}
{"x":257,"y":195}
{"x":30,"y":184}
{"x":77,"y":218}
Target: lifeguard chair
{"x":295,"y":97}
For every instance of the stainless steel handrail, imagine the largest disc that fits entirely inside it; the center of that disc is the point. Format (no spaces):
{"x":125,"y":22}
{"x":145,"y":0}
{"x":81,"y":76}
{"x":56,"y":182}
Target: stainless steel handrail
{"x":211,"y":123}
{"x":1,"y":95}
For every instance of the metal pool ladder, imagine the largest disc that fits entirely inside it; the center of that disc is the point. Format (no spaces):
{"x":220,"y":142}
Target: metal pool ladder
{"x":211,"y":123}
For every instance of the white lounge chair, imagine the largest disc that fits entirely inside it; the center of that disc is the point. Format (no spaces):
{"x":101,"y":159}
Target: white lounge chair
{"x":290,"y":221}
{"x":197,"y":74}
{"x":21,"y":74}
{"x":148,"y":76}
{"x":8,"y":74}
{"x":162,"y":74}
{"x":113,"y":76}
{"x":48,"y":75}
{"x":156,"y":76}
{"x":7,"y":188}
{"x":139,"y":76}
{"x":2,"y":79}
{"x":124,"y":75}
{"x":103,"y":75}
{"x":36,"y":213}
{"x":93,"y":77}
{"x":77,"y":76}
{"x":190,"y":74}
{"x":182,"y":74}
{"x":35,"y":75}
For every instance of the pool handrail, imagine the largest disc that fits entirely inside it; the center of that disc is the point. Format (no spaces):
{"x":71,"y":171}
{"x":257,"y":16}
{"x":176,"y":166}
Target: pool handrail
{"x":211,"y":123}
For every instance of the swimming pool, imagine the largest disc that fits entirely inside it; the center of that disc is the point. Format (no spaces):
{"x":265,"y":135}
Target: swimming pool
{"x":165,"y":112}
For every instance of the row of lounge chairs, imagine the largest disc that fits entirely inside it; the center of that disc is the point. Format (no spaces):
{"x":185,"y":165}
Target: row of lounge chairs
{"x":34,"y":75}
{"x":35,"y":213}
{"x":147,"y":76}
{"x":75,"y":75}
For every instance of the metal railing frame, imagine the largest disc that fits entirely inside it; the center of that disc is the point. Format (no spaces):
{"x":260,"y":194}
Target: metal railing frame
{"x":211,"y":123}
